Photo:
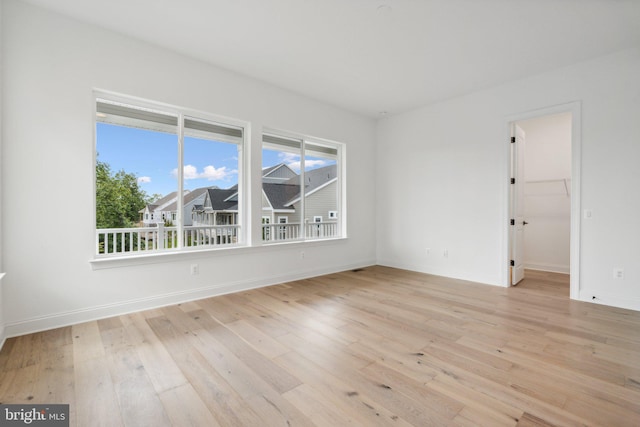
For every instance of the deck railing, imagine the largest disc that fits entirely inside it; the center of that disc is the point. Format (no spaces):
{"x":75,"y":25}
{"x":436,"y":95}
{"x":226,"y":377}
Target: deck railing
{"x":291,"y":231}
{"x":120,"y":241}
{"x":128,"y":241}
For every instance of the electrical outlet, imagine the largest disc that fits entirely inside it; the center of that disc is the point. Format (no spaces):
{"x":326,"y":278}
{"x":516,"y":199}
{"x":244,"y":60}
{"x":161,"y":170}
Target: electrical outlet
{"x":446,"y":253}
{"x":301,"y":254}
{"x":618,"y":273}
{"x":195,"y":269}
{"x":428,"y":251}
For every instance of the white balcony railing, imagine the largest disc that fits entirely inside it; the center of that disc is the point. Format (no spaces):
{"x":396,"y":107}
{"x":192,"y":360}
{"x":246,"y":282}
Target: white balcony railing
{"x":321,"y":230}
{"x":291,"y":231}
{"x":129,"y":241}
{"x":121,"y":241}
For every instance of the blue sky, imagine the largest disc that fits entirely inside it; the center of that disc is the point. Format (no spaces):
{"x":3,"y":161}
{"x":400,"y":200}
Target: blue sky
{"x":152,"y":157}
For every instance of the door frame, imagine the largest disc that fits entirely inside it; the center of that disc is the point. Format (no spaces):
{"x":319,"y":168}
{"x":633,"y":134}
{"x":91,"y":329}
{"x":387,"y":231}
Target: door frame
{"x":516,"y":239}
{"x":576,"y":142}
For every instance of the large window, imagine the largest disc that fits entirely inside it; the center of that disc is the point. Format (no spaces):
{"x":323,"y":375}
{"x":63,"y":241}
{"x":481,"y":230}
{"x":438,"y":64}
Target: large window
{"x":166,"y":179}
{"x":302,"y":190}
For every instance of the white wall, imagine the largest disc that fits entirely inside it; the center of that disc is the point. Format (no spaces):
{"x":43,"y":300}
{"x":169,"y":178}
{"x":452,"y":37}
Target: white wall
{"x":52,"y":63}
{"x":2,"y":335}
{"x":442,"y":178}
{"x":547,"y":202}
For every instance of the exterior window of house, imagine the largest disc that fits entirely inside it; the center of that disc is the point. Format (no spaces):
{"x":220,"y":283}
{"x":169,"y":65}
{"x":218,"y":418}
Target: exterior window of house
{"x":301,"y":177}
{"x":163,"y":161}
{"x":333,"y":215}
{"x":266,"y":220}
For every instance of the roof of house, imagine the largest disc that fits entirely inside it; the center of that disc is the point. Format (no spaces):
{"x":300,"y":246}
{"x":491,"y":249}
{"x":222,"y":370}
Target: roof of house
{"x":280,"y":194}
{"x":219,"y":199}
{"x":314,"y":179}
{"x":161,"y":201}
{"x":279,"y":173}
{"x":189,"y":197}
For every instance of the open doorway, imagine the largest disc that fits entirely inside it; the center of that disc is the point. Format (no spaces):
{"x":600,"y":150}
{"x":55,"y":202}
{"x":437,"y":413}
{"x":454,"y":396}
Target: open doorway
{"x":544,"y":219}
{"x":543,"y":196}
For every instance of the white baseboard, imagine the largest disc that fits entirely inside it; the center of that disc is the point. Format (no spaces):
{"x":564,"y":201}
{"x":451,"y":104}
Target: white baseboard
{"x":3,"y":337}
{"x":552,"y":268}
{"x":433,"y":272}
{"x":604,"y":298}
{"x":73,"y":317}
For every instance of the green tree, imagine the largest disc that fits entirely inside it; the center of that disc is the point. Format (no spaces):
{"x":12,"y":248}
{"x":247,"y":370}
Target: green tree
{"x":119,"y":198}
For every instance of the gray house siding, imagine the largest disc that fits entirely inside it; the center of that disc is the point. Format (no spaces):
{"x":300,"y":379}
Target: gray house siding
{"x":320,"y":203}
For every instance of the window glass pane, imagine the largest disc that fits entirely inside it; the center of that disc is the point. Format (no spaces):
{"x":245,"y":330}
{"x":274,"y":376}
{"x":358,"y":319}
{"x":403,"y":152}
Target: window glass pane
{"x":321,"y":191}
{"x":141,"y":204}
{"x":133,"y":181}
{"x":211,"y":171}
{"x":281,"y":187}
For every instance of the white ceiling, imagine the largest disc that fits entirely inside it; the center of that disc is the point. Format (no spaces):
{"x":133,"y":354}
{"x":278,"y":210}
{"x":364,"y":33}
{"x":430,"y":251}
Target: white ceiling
{"x":354,"y":55}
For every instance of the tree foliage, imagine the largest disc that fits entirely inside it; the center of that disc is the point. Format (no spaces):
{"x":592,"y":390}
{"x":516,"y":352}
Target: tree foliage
{"x":119,"y":198}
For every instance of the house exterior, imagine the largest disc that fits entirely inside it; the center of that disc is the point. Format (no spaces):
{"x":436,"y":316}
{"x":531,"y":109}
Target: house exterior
{"x":192,"y":198}
{"x":157,"y":212}
{"x":219,"y":207}
{"x":321,"y":195}
{"x":281,"y":204}
{"x":278,"y":174}
{"x":165,"y":210}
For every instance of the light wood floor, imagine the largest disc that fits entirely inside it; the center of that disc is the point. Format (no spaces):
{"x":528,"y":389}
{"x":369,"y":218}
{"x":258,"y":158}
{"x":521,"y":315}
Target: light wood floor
{"x":373,"y":347}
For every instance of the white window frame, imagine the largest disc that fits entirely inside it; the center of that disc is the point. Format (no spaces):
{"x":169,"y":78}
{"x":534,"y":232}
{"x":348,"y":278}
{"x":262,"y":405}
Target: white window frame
{"x":333,"y":214}
{"x":341,"y":159}
{"x":317,"y":218}
{"x":182,"y":113}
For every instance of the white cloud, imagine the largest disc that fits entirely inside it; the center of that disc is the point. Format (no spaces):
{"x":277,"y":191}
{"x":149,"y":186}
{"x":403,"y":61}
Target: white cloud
{"x":314,"y":163}
{"x":190,"y":172}
{"x":144,"y":179}
{"x":213,"y":174}
{"x":293,"y":161}
{"x":209,"y":173}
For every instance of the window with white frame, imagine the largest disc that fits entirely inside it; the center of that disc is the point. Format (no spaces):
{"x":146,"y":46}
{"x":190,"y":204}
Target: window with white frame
{"x":152,"y":160}
{"x":301,"y":178}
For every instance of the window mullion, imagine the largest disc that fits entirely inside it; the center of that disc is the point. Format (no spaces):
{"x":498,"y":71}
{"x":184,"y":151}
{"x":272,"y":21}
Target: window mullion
{"x":302,"y":191}
{"x":180,"y":198}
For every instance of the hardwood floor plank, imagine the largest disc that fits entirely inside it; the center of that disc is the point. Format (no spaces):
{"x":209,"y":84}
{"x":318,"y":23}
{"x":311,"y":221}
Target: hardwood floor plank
{"x":276,"y":377}
{"x":477,"y":405}
{"x":96,"y":399}
{"x":337,"y":392}
{"x":262,"y":342}
{"x":18,"y":385}
{"x":437,"y":407}
{"x":158,"y":364}
{"x":139,"y":404}
{"x":87,"y":342}
{"x":304,"y":397}
{"x":371,"y":347}
{"x":185,"y":408}
{"x":226,"y":405}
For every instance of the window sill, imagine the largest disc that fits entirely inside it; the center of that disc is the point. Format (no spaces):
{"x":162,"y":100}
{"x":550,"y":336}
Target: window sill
{"x":101,"y":263}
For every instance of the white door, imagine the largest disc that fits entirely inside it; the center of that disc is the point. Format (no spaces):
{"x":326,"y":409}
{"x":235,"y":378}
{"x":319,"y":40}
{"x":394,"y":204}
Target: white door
{"x":517,"y":207}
